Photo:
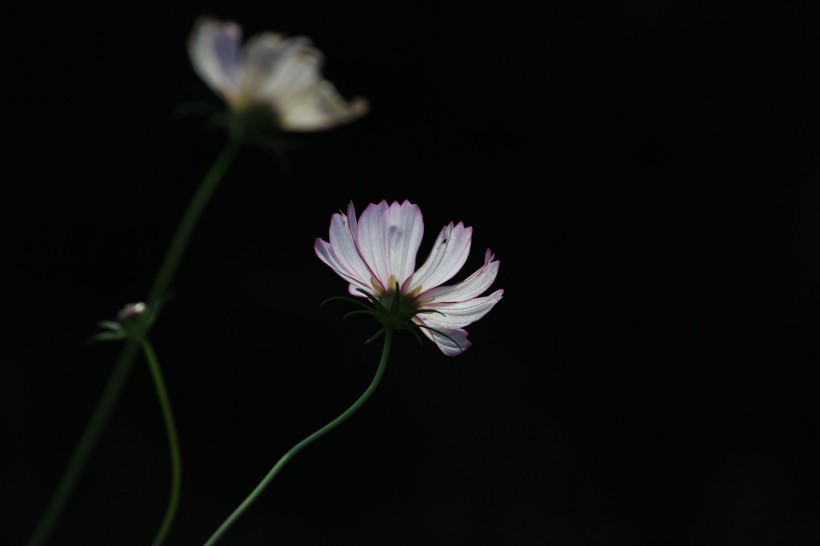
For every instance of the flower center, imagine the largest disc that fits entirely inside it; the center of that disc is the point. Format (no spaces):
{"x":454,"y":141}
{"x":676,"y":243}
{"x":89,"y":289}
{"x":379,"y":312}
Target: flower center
{"x":396,"y":308}
{"x":252,"y":123}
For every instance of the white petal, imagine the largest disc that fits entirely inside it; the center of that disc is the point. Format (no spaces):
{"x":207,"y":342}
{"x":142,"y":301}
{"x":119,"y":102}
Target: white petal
{"x":461,"y":314}
{"x":370,"y":240}
{"x":325,"y":253}
{"x":474,"y":285}
{"x":352,"y":221}
{"x":452,"y":342}
{"x":448,"y":256}
{"x":213,"y":47}
{"x":276,"y":69}
{"x":344,"y":247}
{"x":388,"y":240}
{"x":320,"y":107}
{"x":405,"y":229}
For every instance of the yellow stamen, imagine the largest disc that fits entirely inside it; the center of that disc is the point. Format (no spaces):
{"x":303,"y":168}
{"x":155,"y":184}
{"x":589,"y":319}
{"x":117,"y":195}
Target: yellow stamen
{"x":414,"y":292}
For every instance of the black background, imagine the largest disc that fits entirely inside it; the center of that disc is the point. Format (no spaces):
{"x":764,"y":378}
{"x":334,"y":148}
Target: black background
{"x":646,"y":172}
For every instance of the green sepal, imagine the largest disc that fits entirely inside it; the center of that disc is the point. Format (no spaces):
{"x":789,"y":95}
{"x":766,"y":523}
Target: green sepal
{"x":361,"y":312}
{"x":348,"y":300}
{"x":394,"y":308}
{"x":105,"y":336}
{"x":374,"y":337}
{"x":374,"y":300}
{"x":112,"y":325}
{"x":439,"y":332}
{"x":414,"y":329}
{"x":367,"y":295}
{"x":427,"y":311}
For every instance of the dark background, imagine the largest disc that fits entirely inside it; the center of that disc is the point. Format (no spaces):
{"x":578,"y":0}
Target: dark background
{"x":646,"y":172}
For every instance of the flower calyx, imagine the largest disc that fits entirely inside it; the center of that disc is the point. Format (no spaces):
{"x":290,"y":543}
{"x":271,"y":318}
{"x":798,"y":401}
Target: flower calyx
{"x":394,"y":310}
{"x":133,"y":322}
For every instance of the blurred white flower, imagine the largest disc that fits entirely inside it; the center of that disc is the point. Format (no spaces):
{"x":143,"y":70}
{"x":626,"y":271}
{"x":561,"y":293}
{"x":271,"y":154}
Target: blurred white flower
{"x":270,"y":72}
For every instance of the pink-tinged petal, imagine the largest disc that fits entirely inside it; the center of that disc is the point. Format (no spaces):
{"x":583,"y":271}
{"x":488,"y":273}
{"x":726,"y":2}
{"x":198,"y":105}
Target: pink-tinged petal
{"x":319,"y":107}
{"x":471,"y":287}
{"x":353,"y":222}
{"x":213,"y":47}
{"x":277,"y":68}
{"x":344,"y":247}
{"x":405,"y":229}
{"x":388,"y":240}
{"x":451,"y":342}
{"x":371,"y":241}
{"x":326,"y":253}
{"x":461,"y":314}
{"x":449,"y":253}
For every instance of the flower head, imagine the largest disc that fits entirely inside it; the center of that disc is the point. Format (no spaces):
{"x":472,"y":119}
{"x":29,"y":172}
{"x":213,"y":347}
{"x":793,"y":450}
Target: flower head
{"x":133,"y":321}
{"x":376,"y":254}
{"x":271,"y":74}
{"x":131,"y":312}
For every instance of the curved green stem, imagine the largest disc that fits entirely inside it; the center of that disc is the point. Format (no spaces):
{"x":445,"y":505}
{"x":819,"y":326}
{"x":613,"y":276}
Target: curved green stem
{"x":173,"y":442}
{"x":304,"y":443}
{"x":125,"y":361}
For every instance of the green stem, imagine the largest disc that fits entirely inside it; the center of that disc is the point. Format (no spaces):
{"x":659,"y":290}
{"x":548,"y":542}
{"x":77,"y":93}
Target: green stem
{"x":188,"y":222}
{"x":125,"y":361}
{"x":173,"y":442}
{"x":304,"y":443}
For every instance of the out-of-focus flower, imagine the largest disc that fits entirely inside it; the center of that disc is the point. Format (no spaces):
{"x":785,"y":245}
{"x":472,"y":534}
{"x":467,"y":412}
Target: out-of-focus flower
{"x":376,"y":254}
{"x":131,"y":311}
{"x":133,"y":320}
{"x":270,"y":74}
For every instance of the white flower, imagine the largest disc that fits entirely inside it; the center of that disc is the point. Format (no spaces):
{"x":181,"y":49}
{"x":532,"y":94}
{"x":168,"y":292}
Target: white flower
{"x":376,"y":254}
{"x":271,"y":72}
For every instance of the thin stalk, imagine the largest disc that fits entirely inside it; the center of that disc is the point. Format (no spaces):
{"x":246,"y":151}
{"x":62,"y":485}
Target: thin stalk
{"x":173,"y":442}
{"x":304,"y":443}
{"x":125,"y":361}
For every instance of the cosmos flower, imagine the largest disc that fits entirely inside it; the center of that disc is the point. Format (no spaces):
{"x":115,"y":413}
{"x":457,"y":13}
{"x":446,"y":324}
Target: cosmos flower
{"x":376,"y":254}
{"x":271,"y":73}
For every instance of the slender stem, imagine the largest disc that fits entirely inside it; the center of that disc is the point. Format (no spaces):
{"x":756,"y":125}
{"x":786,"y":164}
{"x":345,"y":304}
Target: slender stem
{"x":304,"y":443}
{"x":173,"y":442}
{"x":188,"y":222}
{"x":125,"y":361}
{"x":86,"y":444}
